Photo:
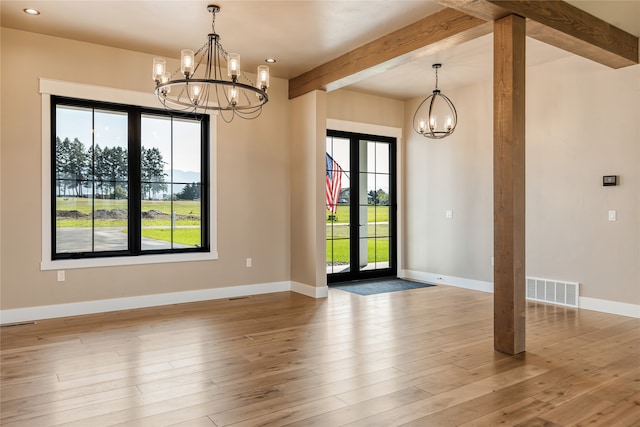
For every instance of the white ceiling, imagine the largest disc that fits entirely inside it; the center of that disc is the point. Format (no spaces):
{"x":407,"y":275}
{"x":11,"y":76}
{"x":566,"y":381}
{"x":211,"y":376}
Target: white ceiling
{"x":300,"y":34}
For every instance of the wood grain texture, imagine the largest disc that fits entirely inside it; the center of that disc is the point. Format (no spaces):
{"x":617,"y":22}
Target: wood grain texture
{"x":562,"y":25}
{"x":509,"y":183}
{"x":429,"y":35}
{"x":422,"y":357}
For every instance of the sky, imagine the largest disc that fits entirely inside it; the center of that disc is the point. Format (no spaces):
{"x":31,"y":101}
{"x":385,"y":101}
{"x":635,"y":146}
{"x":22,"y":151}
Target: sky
{"x":111,"y":131}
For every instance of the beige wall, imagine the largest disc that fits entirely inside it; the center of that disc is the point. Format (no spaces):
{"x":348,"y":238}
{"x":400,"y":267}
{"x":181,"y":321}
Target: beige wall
{"x":451,"y":174}
{"x":308,"y":132}
{"x":363,"y":108}
{"x":253,"y":183}
{"x":582,"y":123}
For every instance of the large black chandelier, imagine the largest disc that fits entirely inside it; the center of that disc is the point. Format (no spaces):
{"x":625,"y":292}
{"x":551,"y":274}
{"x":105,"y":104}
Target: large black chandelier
{"x":199,"y":85}
{"x":436,"y":117}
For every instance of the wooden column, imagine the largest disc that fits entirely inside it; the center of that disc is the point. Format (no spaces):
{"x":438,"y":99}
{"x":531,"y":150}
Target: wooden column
{"x":509,"y":184}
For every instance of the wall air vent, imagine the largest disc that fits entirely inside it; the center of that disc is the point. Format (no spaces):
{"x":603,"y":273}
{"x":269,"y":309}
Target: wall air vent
{"x":553,"y":291}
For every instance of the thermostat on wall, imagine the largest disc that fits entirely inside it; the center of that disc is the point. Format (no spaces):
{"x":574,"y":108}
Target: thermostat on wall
{"x":610,"y":180}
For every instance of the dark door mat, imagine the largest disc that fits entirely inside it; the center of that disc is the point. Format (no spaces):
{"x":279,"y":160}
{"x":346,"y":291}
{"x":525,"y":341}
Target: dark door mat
{"x":370,"y":287}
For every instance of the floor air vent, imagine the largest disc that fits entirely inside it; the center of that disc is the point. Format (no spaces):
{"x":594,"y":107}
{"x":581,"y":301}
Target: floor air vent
{"x":563,"y":293}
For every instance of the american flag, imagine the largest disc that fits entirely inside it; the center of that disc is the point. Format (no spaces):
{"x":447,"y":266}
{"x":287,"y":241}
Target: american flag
{"x":334,"y":184}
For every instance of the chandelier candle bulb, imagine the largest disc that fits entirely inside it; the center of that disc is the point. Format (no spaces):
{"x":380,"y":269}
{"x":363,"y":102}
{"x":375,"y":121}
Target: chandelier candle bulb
{"x":263,"y":76}
{"x":165,"y":79}
{"x":195,"y":94}
{"x":234,"y":65}
{"x":422,"y":126}
{"x":233,"y":95}
{"x":433,"y":123}
{"x":159,"y":67}
{"x":186,"y":62}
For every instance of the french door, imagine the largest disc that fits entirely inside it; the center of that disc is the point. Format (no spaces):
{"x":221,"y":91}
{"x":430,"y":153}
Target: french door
{"x":361,"y":206}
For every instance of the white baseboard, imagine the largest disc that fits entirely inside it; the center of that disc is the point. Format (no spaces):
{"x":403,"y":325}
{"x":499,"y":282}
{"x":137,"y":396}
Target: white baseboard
{"x":612,"y":307}
{"x":310,"y":291}
{"x":29,"y":314}
{"x":459,"y":282}
{"x":595,"y":304}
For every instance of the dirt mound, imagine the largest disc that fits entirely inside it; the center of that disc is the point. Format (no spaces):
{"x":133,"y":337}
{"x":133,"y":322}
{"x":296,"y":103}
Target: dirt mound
{"x":110,"y":214}
{"x":154,"y":214}
{"x":73,"y":214}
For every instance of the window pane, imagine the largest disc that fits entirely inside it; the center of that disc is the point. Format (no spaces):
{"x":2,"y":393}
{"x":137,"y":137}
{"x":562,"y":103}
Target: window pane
{"x":91,"y":180}
{"x":187,"y":224}
{"x":155,"y":158}
{"x":337,"y":177}
{"x":187,"y":153}
{"x":156,"y":222}
{"x":381,"y":157}
{"x":109,"y":159}
{"x":73,"y":223}
{"x":171,"y":161}
{"x":338,"y":251}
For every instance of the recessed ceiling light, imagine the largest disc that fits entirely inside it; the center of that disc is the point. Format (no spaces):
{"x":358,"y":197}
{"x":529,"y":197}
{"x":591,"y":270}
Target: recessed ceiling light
{"x":270,"y":60}
{"x":31,"y":11}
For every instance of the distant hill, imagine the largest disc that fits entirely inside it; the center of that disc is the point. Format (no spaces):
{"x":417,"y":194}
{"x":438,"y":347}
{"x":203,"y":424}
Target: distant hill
{"x":183,"y":177}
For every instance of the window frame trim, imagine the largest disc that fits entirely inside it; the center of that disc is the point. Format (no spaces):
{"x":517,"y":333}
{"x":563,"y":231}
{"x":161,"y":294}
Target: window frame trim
{"x":49,"y":87}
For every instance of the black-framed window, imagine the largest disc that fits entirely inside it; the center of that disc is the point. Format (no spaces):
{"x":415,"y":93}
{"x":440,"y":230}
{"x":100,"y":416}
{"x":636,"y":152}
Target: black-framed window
{"x":127,"y":180}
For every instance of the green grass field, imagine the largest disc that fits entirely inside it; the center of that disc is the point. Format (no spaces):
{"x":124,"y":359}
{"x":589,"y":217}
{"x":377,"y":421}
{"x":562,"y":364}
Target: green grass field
{"x":377,"y":250}
{"x":183,"y":236}
{"x":338,"y":235}
{"x":374,"y":214}
{"x":182,"y":207}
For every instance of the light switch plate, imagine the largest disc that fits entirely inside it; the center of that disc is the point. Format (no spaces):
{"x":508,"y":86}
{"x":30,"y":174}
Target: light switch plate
{"x":448,"y":214}
{"x":612,"y":215}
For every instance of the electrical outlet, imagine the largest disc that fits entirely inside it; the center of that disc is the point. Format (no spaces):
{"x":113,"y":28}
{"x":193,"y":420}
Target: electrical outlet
{"x":249,"y":262}
{"x":448,"y":214}
{"x":61,"y":276}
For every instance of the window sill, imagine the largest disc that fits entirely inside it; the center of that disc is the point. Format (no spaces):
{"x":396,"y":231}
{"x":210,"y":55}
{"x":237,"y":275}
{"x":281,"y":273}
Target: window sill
{"x":119,"y":261}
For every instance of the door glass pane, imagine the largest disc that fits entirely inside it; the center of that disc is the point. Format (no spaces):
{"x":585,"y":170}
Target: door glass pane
{"x":375,"y":189}
{"x":381,"y":254}
{"x":370,"y":231}
{"x":337,"y":200}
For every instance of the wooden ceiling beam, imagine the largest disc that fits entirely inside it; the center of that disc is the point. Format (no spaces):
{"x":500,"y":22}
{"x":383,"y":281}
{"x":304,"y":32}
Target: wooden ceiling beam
{"x":562,"y":25}
{"x":427,"y":36}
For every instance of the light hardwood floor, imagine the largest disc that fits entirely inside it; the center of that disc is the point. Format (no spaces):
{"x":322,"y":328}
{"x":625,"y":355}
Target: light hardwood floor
{"x":422,"y":357}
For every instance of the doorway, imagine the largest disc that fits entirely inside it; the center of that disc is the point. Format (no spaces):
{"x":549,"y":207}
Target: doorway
{"x":360,"y":206}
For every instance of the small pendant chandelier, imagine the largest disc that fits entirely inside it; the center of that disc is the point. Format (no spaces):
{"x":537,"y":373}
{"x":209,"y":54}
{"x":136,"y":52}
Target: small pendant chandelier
{"x":436,"y":117}
{"x":199,"y":84}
